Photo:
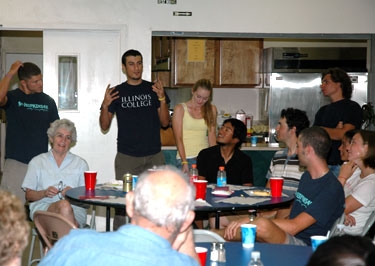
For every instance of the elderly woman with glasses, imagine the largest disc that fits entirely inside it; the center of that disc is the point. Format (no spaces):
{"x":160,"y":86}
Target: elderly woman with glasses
{"x":51,"y":174}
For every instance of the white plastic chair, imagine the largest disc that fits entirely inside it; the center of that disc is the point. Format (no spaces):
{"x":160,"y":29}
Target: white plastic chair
{"x":369,"y":223}
{"x":201,"y":235}
{"x":370,"y":220}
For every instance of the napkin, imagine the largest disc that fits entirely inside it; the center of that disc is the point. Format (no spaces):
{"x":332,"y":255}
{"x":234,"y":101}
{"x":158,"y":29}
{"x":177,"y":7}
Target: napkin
{"x":112,"y":199}
{"x":201,"y":203}
{"x":242,"y":200}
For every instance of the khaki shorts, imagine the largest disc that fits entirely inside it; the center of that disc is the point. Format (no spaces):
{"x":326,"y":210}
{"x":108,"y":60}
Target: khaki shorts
{"x":13,"y":176}
{"x":291,"y":240}
{"x":136,"y":165}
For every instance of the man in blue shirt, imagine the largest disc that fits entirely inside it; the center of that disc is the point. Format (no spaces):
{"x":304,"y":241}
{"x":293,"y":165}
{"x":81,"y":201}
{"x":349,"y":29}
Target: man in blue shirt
{"x":29,"y":113}
{"x":319,"y":200}
{"x":160,"y":233}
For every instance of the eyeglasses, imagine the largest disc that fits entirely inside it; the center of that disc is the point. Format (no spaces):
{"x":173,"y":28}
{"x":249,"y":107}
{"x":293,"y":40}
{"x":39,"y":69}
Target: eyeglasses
{"x":60,"y":187}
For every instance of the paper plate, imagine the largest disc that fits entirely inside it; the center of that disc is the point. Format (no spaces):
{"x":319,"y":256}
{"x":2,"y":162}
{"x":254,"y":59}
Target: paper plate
{"x":222,"y":193}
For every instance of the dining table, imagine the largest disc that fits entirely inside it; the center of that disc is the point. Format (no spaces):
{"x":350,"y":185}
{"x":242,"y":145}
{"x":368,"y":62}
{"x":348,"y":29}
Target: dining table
{"x":270,"y":254}
{"x":241,"y":198}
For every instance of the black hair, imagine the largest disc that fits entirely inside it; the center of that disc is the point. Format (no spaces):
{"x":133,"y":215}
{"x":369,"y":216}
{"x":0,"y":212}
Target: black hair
{"x":239,"y":130}
{"x":339,"y":75}
{"x":295,"y":118}
{"x":346,"y":250}
{"x":27,"y":70}
{"x":130,"y":52}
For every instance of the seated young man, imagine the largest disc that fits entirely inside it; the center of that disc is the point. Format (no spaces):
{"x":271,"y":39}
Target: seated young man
{"x":319,"y":200}
{"x":227,"y":153}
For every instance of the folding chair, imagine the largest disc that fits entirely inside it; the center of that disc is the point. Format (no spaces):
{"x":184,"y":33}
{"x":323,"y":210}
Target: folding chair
{"x":51,"y":227}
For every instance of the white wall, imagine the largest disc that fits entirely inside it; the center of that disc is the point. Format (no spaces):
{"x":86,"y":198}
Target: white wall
{"x":139,"y":18}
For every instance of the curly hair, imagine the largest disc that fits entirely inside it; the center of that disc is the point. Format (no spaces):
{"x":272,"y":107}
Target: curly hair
{"x":14,"y":228}
{"x":340,"y":76}
{"x":295,"y":118}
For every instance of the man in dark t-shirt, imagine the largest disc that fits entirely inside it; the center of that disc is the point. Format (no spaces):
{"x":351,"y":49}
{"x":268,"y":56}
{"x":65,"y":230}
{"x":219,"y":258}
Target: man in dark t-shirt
{"x":341,"y":115}
{"x":319,"y":200}
{"x":141,"y":108}
{"x":29,"y":113}
{"x":238,"y":166}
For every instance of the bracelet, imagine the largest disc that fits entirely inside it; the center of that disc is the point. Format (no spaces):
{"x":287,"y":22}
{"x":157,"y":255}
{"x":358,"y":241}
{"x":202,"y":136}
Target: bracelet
{"x":184,"y":162}
{"x":8,"y":75}
{"x":161,"y":99}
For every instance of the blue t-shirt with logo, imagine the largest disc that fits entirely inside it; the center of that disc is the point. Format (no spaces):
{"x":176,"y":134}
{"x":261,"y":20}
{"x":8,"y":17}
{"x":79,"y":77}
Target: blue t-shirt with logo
{"x":322,"y":198}
{"x":28,"y":118}
{"x":137,"y":119}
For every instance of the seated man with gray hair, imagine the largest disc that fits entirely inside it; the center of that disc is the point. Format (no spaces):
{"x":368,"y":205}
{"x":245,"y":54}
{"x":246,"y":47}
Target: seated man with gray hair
{"x":161,"y":211}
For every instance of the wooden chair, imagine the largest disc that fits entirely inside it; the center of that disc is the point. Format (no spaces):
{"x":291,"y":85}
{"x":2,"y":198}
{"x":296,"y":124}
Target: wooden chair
{"x":51,"y":227}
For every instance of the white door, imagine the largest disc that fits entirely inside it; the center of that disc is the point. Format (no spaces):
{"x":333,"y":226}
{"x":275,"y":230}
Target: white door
{"x":98,"y":64}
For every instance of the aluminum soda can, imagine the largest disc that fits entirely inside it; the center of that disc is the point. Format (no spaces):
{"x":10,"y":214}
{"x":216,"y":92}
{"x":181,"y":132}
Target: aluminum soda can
{"x":127,"y":182}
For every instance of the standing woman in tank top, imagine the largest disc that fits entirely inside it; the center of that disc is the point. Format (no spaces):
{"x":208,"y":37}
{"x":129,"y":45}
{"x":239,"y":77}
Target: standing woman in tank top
{"x":194,"y":124}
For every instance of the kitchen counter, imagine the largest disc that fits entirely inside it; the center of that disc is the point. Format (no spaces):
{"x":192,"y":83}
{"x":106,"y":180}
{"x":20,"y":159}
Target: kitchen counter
{"x":245,"y":147}
{"x":261,"y":156}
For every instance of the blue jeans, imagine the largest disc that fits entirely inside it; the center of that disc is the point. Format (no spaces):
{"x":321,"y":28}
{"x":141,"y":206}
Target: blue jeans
{"x":335,"y":169}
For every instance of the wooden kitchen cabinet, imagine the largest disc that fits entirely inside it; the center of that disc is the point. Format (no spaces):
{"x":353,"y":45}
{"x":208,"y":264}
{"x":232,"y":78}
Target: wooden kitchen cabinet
{"x":188,"y":68}
{"x":226,"y":62}
{"x":239,"y":63}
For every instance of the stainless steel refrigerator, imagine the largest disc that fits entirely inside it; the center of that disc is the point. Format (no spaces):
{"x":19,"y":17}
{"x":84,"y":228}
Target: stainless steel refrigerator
{"x":302,"y":91}
{"x":293,"y":76}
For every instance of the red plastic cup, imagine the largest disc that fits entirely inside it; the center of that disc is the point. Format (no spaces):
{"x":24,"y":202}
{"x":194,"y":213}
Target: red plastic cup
{"x":200,"y":188}
{"x":202,"y":254}
{"x":90,"y":179}
{"x":276,"y":184}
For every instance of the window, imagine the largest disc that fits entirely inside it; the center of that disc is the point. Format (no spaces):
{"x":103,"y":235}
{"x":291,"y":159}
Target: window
{"x":68,"y":80}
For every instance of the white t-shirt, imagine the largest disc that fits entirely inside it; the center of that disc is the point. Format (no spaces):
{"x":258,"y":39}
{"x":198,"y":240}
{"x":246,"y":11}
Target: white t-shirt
{"x":351,"y":182}
{"x":363,"y":192}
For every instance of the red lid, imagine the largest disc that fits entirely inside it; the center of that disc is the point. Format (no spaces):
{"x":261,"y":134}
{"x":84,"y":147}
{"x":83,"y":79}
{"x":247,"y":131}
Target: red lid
{"x":221,"y":168}
{"x":193,"y":166}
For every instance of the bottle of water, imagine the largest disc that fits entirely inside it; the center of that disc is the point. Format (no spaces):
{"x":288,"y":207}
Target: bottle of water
{"x":221,"y":177}
{"x":255,"y":259}
{"x":193,"y":173}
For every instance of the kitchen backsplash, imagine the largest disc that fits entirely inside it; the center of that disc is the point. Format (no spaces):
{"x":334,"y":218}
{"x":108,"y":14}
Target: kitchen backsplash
{"x":229,"y":100}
